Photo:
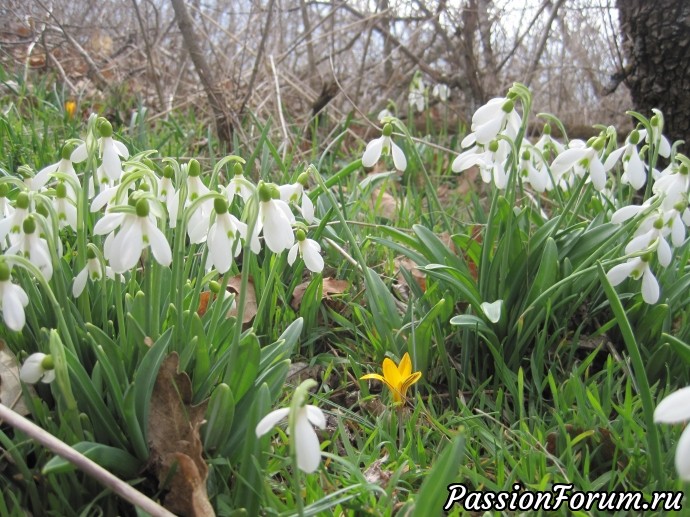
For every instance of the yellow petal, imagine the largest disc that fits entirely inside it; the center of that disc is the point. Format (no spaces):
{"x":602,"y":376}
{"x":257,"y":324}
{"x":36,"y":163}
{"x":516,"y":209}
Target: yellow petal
{"x":377,"y":377}
{"x":409,"y":381}
{"x":405,"y":366}
{"x":391,"y":373}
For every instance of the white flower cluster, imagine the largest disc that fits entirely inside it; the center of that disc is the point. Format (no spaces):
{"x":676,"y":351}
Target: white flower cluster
{"x":135,"y":205}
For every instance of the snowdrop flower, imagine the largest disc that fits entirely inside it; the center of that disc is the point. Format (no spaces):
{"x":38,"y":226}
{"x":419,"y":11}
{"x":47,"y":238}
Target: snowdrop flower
{"x":674,"y":409}
{"x":633,"y":167}
{"x":92,"y":271}
{"x":13,"y":299}
{"x":65,"y":206}
{"x":635,"y":268}
{"x":385,"y":113}
{"x":582,"y":160}
{"x":656,"y":138}
{"x":275,"y":219}
{"x":537,"y":177}
{"x":223,"y":237}
{"x":674,"y":183}
{"x":11,"y":226}
{"x":307,"y":448}
{"x":441,"y":91}
{"x":64,"y":166}
{"x":137,"y":231}
{"x":35,"y":248}
{"x":498,"y":116}
{"x":295,"y":192}
{"x":547,"y":145}
{"x":416,"y":96}
{"x":239,"y":185}
{"x":38,"y":367}
{"x":110,"y":151}
{"x":490,"y":159}
{"x":384,"y":144}
{"x":6,"y":208}
{"x":199,"y":221}
{"x":308,"y":250}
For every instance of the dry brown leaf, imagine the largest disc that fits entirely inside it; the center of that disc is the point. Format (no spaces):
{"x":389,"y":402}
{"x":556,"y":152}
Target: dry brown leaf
{"x":409,"y":265}
{"x":176,"y":451}
{"x":376,"y":475}
{"x":10,"y":385}
{"x":329,"y":288}
{"x":250,"y":306}
{"x":384,"y":204}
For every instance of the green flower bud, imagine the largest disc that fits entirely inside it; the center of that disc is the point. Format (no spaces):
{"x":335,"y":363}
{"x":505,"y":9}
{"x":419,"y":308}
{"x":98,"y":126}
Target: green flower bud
{"x":193,"y":168}
{"x":48,"y":363}
{"x":547,"y":129}
{"x":105,"y":128}
{"x":599,"y":143}
{"x":90,"y":254}
{"x":4,"y":271}
{"x":264,"y":192}
{"x":237,"y":169}
{"x":142,"y":208}
{"x":647,"y":257}
{"x":214,"y":287}
{"x":659,"y":223}
{"x":634,"y":137}
{"x":525,"y":155}
{"x":683,"y":169}
{"x":387,"y":130}
{"x":654,"y":121}
{"x":493,"y":146}
{"x":4,"y":189}
{"x":220,"y":205}
{"x":67,"y":150}
{"x":41,"y":209}
{"x":22,"y":200}
{"x":168,"y":172}
{"x":144,"y":187}
{"x":61,"y":190}
{"x":508,"y":106}
{"x":300,"y":235}
{"x":303,"y":179}
{"x":29,"y":225}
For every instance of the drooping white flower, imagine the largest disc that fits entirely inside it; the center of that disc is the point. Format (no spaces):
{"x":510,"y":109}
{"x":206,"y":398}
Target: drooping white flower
{"x":674,"y":409}
{"x":635,"y":268}
{"x":582,"y":160}
{"x":275,"y":219}
{"x":657,"y":138}
{"x":490,"y":159}
{"x":136,"y":232}
{"x":65,"y":206}
{"x":11,"y":226}
{"x":309,"y":250}
{"x":110,"y":151}
{"x":223,"y":239}
{"x":295,"y":192}
{"x":239,"y":185}
{"x":199,"y":221}
{"x":498,"y":116}
{"x":38,"y":367}
{"x":547,"y":145}
{"x":634,"y":171}
{"x":417,"y":90}
{"x":64,"y":166}
{"x":32,"y":246}
{"x":535,"y":176}
{"x":92,"y":271}
{"x":13,"y":299}
{"x":307,"y":448}
{"x":384,"y":144}
{"x":441,"y":91}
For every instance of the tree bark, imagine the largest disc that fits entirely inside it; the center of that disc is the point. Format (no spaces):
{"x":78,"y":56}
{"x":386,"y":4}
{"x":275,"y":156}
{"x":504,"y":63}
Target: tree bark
{"x":214,"y":93}
{"x":656,"y":39}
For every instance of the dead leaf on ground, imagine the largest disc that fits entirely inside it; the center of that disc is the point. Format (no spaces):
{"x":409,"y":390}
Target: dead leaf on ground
{"x":409,"y":265}
{"x":234,"y":285}
{"x":175,"y":444}
{"x":331,"y":287}
{"x":376,"y":475}
{"x":10,"y":385}
{"x":384,"y":204}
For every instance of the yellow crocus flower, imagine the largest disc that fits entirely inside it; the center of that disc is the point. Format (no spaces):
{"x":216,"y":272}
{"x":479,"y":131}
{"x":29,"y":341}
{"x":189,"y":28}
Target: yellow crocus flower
{"x":398,"y":378}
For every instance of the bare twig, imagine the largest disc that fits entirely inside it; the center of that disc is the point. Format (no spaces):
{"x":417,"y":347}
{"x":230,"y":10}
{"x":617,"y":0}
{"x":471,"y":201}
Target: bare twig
{"x":259,"y":54}
{"x":542,"y":42}
{"x":149,"y":58}
{"x":63,"y":450}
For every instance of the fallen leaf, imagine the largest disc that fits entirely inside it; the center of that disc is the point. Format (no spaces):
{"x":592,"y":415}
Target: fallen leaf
{"x":376,"y":475}
{"x":331,"y":287}
{"x":409,"y":265}
{"x":250,"y":306}
{"x":175,"y":444}
{"x":10,"y":385}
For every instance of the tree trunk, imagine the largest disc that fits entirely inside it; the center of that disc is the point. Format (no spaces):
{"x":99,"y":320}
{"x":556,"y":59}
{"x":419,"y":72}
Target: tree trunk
{"x":656,"y":38}
{"x":214,"y":92}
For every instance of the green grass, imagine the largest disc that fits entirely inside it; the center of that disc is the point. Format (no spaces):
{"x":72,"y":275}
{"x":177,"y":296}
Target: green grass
{"x":559,"y":390}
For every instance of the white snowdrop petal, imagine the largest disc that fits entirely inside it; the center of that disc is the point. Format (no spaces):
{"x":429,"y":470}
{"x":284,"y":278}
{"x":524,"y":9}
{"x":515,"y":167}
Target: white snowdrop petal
{"x":663,"y":252}
{"x":315,"y":416}
{"x":650,"y":287}
{"x":613,"y":158}
{"x":108,"y":223}
{"x":121,"y":149}
{"x":312,"y":258}
{"x":79,"y":154}
{"x":566,"y":160}
{"x":307,"y":446}
{"x":373,"y":152}
{"x":618,"y":273}
{"x":307,"y":208}
{"x":674,"y":408}
{"x":12,"y":309}
{"x":627,"y":212}
{"x":292,"y":254}
{"x":159,"y":244}
{"x":682,"y":458}
{"x":80,"y":282}
{"x":270,"y":421}
{"x":493,"y":310}
{"x":399,"y":159}
{"x":32,"y":371}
